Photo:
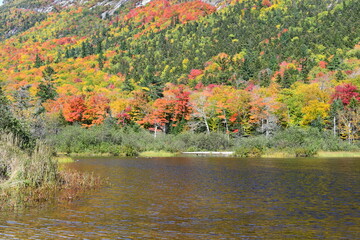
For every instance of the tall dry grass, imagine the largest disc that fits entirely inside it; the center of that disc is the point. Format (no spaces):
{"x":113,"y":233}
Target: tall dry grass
{"x":28,"y":176}
{"x":26,"y":168}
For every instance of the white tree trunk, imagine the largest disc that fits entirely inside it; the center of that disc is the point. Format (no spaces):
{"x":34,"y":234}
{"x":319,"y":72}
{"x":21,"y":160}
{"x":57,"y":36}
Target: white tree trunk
{"x":226,"y":126}
{"x":206,"y":124}
{"x":155,"y":131}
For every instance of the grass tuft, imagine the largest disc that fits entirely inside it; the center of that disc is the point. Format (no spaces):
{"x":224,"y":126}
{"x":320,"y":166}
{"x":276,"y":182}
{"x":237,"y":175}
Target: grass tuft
{"x":338,"y":154}
{"x":64,"y":159}
{"x":74,"y":184}
{"x":157,"y":154}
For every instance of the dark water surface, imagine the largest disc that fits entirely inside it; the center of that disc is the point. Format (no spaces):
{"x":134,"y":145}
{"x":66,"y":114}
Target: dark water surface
{"x":204,"y":198}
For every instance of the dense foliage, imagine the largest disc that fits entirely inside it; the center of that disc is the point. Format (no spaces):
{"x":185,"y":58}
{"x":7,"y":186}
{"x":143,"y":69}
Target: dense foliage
{"x":247,"y":67}
{"x":110,"y":139}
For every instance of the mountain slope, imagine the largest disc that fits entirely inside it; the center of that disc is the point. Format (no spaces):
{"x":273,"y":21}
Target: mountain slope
{"x":135,"y":62}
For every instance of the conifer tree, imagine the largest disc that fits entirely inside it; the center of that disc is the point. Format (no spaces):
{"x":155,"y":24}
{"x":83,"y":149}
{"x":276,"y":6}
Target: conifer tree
{"x":38,"y":61}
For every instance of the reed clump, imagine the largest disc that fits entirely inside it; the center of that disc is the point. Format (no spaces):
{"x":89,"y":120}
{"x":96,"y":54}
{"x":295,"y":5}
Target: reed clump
{"x":74,"y":183}
{"x":29,"y":176}
{"x":26,"y":167}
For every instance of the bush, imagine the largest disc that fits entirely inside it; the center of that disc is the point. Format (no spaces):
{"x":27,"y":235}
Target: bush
{"x":248,"y":152}
{"x":129,"y":151}
{"x":115,"y":150}
{"x":203,"y":141}
{"x":259,"y":142}
{"x":309,"y":139}
{"x":305,"y":152}
{"x":296,"y":137}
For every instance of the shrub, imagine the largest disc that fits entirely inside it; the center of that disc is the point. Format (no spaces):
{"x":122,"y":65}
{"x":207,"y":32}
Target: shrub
{"x":305,"y":152}
{"x":203,"y":141}
{"x":129,"y":151}
{"x":295,"y":137}
{"x":259,"y":142}
{"x":114,"y":150}
{"x":248,"y":152}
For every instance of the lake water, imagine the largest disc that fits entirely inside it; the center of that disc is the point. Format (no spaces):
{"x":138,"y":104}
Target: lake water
{"x":203,"y":198}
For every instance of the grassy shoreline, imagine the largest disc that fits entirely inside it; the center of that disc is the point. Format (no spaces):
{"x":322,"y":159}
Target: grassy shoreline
{"x":63,"y":158}
{"x":340,"y":154}
{"x":320,"y":154}
{"x":157,"y":154}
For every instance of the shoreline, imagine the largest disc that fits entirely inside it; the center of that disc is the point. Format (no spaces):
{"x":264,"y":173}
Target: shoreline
{"x":67,"y":158}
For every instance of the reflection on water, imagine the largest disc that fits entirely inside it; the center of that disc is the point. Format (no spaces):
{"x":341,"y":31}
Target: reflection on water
{"x":204,"y":198}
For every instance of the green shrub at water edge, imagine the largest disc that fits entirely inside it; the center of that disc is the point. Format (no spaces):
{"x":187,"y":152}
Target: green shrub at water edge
{"x":248,"y":152}
{"x":129,"y":151}
{"x":305,"y":152}
{"x":297,"y":137}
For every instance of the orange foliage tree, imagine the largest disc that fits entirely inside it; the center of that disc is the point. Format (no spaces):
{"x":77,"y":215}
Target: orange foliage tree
{"x":97,"y":108}
{"x":74,"y":108}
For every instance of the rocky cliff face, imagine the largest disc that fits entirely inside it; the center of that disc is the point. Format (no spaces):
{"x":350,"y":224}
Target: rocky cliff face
{"x":17,"y":16}
{"x":109,"y":7}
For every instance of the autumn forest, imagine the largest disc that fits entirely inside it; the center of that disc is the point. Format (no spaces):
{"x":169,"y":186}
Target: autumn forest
{"x":239,"y":71}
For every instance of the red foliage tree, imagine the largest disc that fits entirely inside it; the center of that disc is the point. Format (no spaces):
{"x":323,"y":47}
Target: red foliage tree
{"x":345,"y":92}
{"x":266,"y":3}
{"x":194,"y":73}
{"x":170,"y":109}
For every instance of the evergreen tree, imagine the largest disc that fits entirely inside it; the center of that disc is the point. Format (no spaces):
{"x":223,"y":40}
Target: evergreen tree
{"x":334,"y":64}
{"x":38,"y":61}
{"x":127,"y":86}
{"x":101,"y":60}
{"x":83,"y":50}
{"x":10,"y":124}
{"x":59,"y":57}
{"x":46,"y":89}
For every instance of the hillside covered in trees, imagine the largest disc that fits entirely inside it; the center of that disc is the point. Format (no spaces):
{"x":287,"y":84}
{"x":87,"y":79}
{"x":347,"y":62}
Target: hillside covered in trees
{"x":242,"y":68}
